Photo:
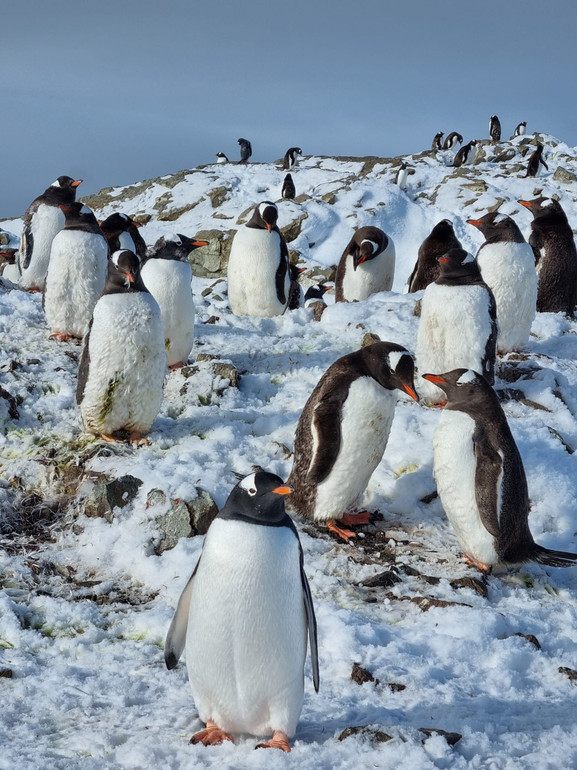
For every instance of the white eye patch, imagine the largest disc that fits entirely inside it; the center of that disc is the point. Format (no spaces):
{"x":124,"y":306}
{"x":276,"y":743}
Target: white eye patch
{"x":373,"y":244}
{"x":468,"y":376}
{"x":249,"y":484}
{"x":394,"y":358}
{"x":468,"y":259}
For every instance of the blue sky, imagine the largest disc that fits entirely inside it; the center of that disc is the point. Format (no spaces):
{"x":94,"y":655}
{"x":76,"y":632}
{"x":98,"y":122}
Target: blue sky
{"x":116,"y":92}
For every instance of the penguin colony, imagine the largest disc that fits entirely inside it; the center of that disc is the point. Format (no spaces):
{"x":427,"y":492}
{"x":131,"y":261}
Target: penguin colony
{"x":134,"y":309}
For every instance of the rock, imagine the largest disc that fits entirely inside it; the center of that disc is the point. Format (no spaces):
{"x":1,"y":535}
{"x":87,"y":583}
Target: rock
{"x":451,"y":738}
{"x":211,"y":261}
{"x":530,"y":638}
{"x":4,"y":238}
{"x":360,"y":675}
{"x":12,"y":404}
{"x":319,"y":308}
{"x":417,"y":308}
{"x":476,"y":185}
{"x":477,"y":585}
{"x":202,"y":511}
{"x":366,"y":731}
{"x":291,"y":232}
{"x":173,"y":524}
{"x":369,"y":339}
{"x":180,"y":518}
{"x":6,"y":673}
{"x":382,"y":580}
{"x":106,"y":496}
{"x":217,"y":196}
{"x":329,"y":198}
{"x":563,"y":175}
{"x":569,"y":672}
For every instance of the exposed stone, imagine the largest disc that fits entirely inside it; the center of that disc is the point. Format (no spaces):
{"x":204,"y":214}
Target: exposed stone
{"x":217,"y":196}
{"x":477,"y":185}
{"x":202,"y":511}
{"x":106,"y":496}
{"x":302,"y":198}
{"x":505,"y":155}
{"x":477,"y":585}
{"x":451,"y":738}
{"x":318,"y":308}
{"x":382,"y":580}
{"x":212,"y":260}
{"x":570,"y":673}
{"x":360,"y":675}
{"x":171,"y":215}
{"x":563,"y":175}
{"x":291,"y":232}
{"x":369,"y":339}
{"x":12,"y":404}
{"x":329,"y":198}
{"x":173,"y":525}
{"x":6,"y":673}
{"x":4,"y":238}
{"x":531,"y":638}
{"x":366,"y":731}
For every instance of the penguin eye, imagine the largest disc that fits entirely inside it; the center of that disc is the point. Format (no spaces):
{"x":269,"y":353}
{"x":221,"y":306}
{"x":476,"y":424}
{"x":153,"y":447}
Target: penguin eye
{"x":252,"y":491}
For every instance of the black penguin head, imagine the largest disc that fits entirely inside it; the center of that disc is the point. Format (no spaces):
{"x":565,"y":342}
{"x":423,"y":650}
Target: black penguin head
{"x":316,"y":292}
{"x":264,"y":216}
{"x":366,"y":251}
{"x":458,"y":264}
{"x":115,"y":223}
{"x":259,"y":499}
{"x":62,"y":190}
{"x":444,"y":229}
{"x":391,"y":365}
{"x":464,"y":388}
{"x":243,"y":142}
{"x":78,"y":215}
{"x":66,"y":183}
{"x":124,"y":271}
{"x":176,"y":247}
{"x":543,"y":207}
{"x":498,"y":227}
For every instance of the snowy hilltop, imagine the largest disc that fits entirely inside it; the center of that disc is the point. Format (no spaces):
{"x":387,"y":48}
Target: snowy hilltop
{"x":424,"y":661}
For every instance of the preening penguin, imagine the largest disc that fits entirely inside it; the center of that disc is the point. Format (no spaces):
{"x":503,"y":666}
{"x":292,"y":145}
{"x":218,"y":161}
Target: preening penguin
{"x":244,"y":617}
{"x":481,"y":479}
{"x":366,"y":266}
{"x":343,"y":431}
{"x":245,"y":150}
{"x":292,"y":157}
{"x":427,"y":269}
{"x":288,"y":188}
{"x":437,"y":141}
{"x":452,"y":140}
{"x":536,"y":161}
{"x":466,"y":154}
{"x":123,"y":363}
{"x":402,"y":176}
{"x":258,"y":273}
{"x":121,"y":232}
{"x":495,"y":128}
{"x":520,"y":130}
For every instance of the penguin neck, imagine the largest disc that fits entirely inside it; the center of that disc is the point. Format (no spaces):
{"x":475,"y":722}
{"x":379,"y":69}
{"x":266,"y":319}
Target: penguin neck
{"x":468,"y":276}
{"x":284,"y":519}
{"x":113,"y":288}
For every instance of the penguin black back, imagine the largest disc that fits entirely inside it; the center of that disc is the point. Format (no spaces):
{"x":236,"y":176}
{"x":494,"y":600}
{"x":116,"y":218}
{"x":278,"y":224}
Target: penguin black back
{"x":437,"y":141}
{"x":495,"y":128}
{"x":291,"y":156}
{"x":536,"y":160}
{"x":427,"y":269}
{"x":245,"y":150}
{"x":288,"y":188}
{"x":452,"y":140}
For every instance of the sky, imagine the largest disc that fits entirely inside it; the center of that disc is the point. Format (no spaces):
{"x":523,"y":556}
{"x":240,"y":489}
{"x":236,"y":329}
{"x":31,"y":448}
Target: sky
{"x":117,"y":92}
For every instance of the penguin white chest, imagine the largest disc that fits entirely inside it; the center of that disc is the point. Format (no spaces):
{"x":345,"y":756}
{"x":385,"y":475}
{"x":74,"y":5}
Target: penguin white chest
{"x":367,"y":416}
{"x":46,"y":222}
{"x":370,"y":277}
{"x":246,"y":636}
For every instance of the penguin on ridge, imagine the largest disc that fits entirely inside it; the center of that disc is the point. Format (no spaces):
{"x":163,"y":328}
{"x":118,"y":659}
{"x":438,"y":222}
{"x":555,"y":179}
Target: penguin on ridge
{"x":520,"y":129}
{"x":555,"y":256}
{"x":481,"y":479}
{"x":458,"y":323}
{"x":452,"y":140}
{"x":427,"y":269}
{"x":121,"y":373}
{"x":121,"y":233}
{"x":167,"y":274}
{"x":343,"y":431}
{"x":292,"y":157}
{"x":536,"y":161}
{"x":245,"y":657}
{"x":76,"y":273}
{"x":402,"y":176}
{"x":288,"y":188}
{"x":507,"y":265}
{"x":258,"y":266}
{"x":221,"y":157}
{"x":366,"y":266}
{"x":42,"y":220}
{"x":245,"y":150}
{"x":495,"y":128}
{"x":437,"y":144}
{"x":466,"y":154}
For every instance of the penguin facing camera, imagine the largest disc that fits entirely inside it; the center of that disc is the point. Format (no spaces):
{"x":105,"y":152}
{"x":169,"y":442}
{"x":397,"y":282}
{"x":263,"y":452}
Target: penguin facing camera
{"x":221,"y":157}
{"x":520,"y":129}
{"x":366,"y":266}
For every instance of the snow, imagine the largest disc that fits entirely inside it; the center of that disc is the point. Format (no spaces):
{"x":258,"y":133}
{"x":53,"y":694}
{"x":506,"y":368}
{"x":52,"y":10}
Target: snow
{"x":85,"y":603}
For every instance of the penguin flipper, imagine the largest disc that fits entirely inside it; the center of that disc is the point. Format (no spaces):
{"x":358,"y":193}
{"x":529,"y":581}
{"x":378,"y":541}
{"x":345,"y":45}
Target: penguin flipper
{"x":491,"y":346}
{"x":543,"y":163}
{"x":488,"y":471}
{"x":282,"y":271}
{"x":176,"y":636}
{"x":83,"y":367}
{"x":326,"y":424}
{"x":312,"y":627}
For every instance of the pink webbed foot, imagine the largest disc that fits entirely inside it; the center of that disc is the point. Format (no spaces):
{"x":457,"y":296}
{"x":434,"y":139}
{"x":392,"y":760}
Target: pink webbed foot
{"x":279,"y":740}
{"x":485,"y":568}
{"x":212,"y":735}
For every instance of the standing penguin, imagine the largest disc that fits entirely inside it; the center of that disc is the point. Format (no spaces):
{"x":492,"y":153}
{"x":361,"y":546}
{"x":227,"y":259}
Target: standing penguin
{"x":452,"y":140}
{"x":76,"y":273}
{"x":535,"y":161}
{"x":507,"y":265}
{"x":481,"y":479}
{"x":555,"y":255}
{"x":366,"y":266}
{"x":42,"y":220}
{"x":292,"y":157}
{"x":343,"y":431}
{"x":402,"y":176}
{"x":244,"y":616}
{"x":167,"y":274}
{"x":458,"y":323}
{"x":288,"y":188}
{"x":121,"y":232}
{"x":466,"y":155}
{"x":296,"y":295}
{"x":520,"y":130}
{"x":221,"y":157}
{"x":258,"y":273}
{"x":437,"y":141}
{"x":427,"y":269}
{"x":495,"y":128}
{"x":245,"y":150}
{"x":123,"y":363}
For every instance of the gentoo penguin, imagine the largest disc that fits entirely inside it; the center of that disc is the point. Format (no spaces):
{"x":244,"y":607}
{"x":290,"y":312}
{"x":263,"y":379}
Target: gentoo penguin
{"x":481,"y":479}
{"x":343,"y":431}
{"x":437,"y":141}
{"x":402,"y":176}
{"x":167,"y":274}
{"x":121,"y":232}
{"x":366,"y":266}
{"x":291,"y":157}
{"x":245,"y":150}
{"x":296,"y":294}
{"x":258,"y":274}
{"x":288,"y":188}
{"x":427,"y":269}
{"x":466,"y":154}
{"x":42,"y":220}
{"x":520,"y":130}
{"x":244,"y":616}
{"x":458,"y":323}
{"x":535,"y":161}
{"x":76,"y":273}
{"x":495,"y":128}
{"x":315,"y":293}
{"x":452,"y":140}
{"x":123,"y":363}
{"x":221,"y":157}
{"x":507,"y":265}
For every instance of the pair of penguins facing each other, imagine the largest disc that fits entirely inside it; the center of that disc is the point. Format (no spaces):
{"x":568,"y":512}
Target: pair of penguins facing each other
{"x":464,"y":155}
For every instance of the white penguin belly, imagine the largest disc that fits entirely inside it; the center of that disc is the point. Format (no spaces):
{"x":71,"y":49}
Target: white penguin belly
{"x":370,"y":277}
{"x":125,"y":241}
{"x":246,"y":635}
{"x":454,"y":470}
{"x":509,"y":271}
{"x":75,"y":279}
{"x":252,"y":266}
{"x":169,"y":282}
{"x":365,"y":426}
{"x":46,"y":222}
{"x":127,"y":364}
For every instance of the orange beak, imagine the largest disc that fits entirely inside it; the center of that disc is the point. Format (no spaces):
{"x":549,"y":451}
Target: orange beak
{"x":286,"y":490}
{"x":527,"y":204}
{"x":433,"y":378}
{"x":475,"y":222}
{"x":411,"y":392}
{"x":200,"y":243}
{"x":267,"y":226}
{"x":444,"y":260}
{"x":130,"y":277}
{"x":76,"y":183}
{"x":64,"y":207}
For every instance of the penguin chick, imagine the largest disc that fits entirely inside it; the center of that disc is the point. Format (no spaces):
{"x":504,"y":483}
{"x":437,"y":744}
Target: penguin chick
{"x":366,"y":266}
{"x":245,"y":150}
{"x":481,"y":479}
{"x":495,"y":128}
{"x":343,"y":431}
{"x":536,"y":161}
{"x":288,"y":188}
{"x":245,"y":657}
{"x":452,"y":140}
{"x":291,"y":157}
{"x":466,"y":154}
{"x":440,"y":240}
{"x":437,"y":144}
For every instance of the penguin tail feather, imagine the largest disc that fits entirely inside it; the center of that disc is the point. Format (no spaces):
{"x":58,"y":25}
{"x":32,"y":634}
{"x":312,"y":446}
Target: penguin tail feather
{"x":552,"y":558}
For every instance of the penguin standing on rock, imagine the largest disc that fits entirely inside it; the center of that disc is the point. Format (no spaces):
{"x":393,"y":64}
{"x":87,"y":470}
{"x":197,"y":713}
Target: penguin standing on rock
{"x":221,"y":157}
{"x":292,"y":157}
{"x":244,"y":617}
{"x":343,"y":431}
{"x":437,"y":144}
{"x":495,"y":128}
{"x":288,"y":188}
{"x":427,"y":269}
{"x":466,"y":154}
{"x":452,"y":140}
{"x":481,"y":479}
{"x":121,"y":232}
{"x":366,"y":266}
{"x":245,"y":150}
{"x":42,"y":220}
{"x":536,"y":161}
{"x":258,"y":266}
{"x":123,"y":363}
{"x":76,"y":273}
{"x":520,"y":130}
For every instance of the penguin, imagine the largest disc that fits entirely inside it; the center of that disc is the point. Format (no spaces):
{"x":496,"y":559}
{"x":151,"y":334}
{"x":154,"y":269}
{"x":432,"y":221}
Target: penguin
{"x":245,"y":150}
{"x":495,"y":128}
{"x":315,"y":293}
{"x":466,"y":154}
{"x":437,"y":144}
{"x":427,"y":269}
{"x":221,"y":157}
{"x":296,"y":294}
{"x":520,"y":130}
{"x":167,"y":274}
{"x":121,"y":232}
{"x":481,"y":479}
{"x":536,"y":161}
{"x":288,"y":188}
{"x":452,"y":140}
{"x":244,"y":617}
{"x":76,"y":273}
{"x":458,"y":323}
{"x":555,"y":256}
{"x":366,"y":266}
{"x":507,"y":265}
{"x":42,"y":220}
{"x":402,"y":176}
{"x":291,"y":157}
{"x":123,"y":362}
{"x":258,"y":272}
{"x":343,"y":431}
